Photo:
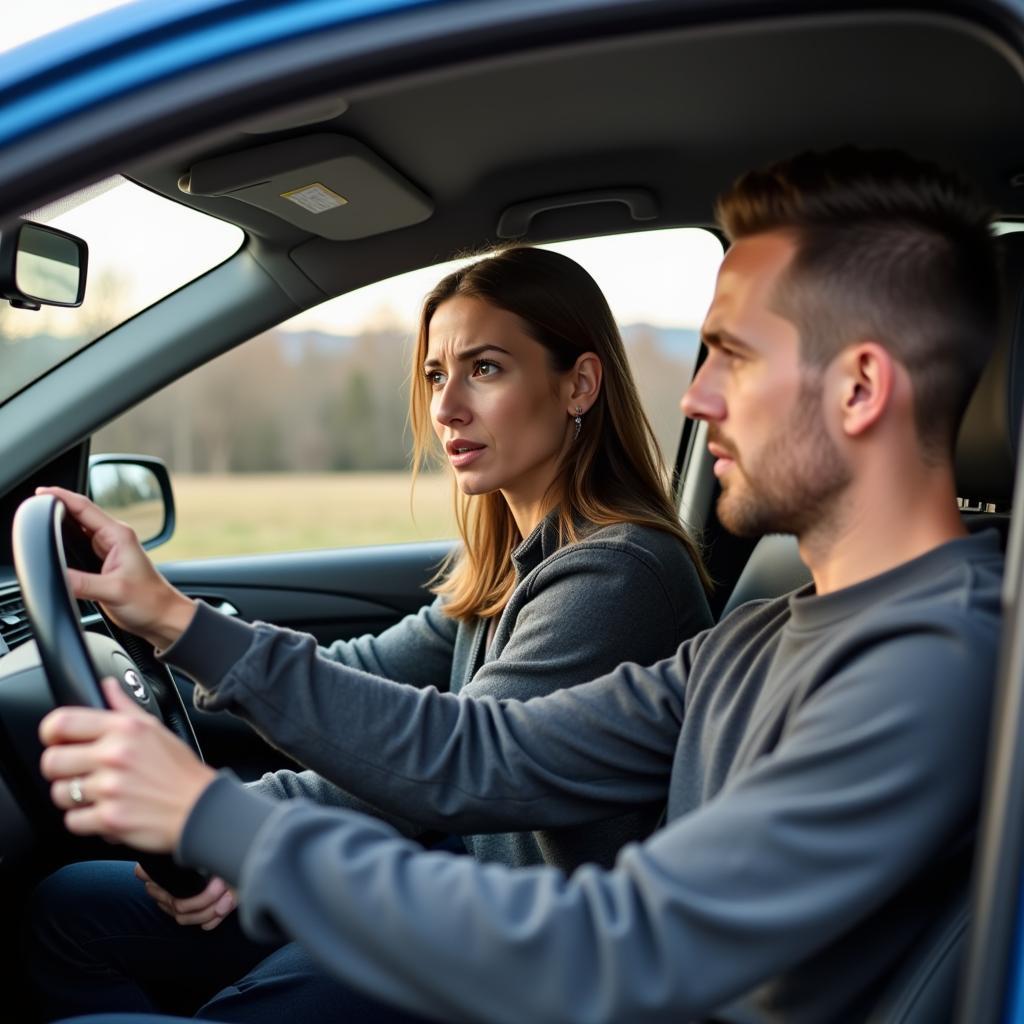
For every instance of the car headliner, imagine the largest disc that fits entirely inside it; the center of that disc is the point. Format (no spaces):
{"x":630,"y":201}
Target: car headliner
{"x":678,"y":112}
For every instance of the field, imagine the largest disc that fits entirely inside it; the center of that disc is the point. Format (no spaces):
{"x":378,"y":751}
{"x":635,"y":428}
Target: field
{"x":251,"y":513}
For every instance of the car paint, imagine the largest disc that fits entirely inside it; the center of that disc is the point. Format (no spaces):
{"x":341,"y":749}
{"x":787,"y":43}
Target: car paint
{"x":125,"y":50}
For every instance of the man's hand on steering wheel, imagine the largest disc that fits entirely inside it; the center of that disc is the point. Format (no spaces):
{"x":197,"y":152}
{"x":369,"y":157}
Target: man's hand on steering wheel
{"x":101,"y":775}
{"x":133,"y":594}
{"x":120,"y":773}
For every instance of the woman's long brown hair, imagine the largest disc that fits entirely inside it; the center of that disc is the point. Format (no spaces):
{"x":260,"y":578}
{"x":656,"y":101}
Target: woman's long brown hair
{"x":613,"y":473}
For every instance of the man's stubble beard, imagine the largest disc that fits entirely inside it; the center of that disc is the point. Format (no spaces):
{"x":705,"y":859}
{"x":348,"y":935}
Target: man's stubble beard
{"x":800,"y":474}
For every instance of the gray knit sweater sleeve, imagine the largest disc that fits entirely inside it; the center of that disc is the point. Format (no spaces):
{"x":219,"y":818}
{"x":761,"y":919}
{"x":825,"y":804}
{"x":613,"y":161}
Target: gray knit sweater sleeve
{"x":385,"y":741}
{"x":627,"y":593}
{"x":803,"y":844}
{"x":417,"y":650}
{"x":804,"y":748}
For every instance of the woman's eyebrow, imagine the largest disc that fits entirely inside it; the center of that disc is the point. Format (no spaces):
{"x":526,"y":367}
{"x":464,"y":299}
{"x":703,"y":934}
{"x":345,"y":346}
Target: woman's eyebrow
{"x":469,"y":353}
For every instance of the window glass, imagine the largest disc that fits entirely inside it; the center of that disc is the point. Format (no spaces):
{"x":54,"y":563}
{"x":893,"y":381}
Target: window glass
{"x":299,"y":440}
{"x":142,"y":246}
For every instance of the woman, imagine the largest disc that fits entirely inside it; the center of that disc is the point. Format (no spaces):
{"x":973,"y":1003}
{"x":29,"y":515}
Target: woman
{"x":573,"y":560}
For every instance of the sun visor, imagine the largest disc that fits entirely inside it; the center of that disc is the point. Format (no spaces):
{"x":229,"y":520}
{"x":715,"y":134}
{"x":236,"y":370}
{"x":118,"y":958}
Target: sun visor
{"x":327,"y":185}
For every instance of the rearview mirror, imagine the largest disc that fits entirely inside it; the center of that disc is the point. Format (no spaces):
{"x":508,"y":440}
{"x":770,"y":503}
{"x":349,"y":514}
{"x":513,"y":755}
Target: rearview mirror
{"x":41,"y":266}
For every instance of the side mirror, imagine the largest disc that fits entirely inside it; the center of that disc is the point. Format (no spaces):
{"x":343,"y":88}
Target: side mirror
{"x":137,"y":490}
{"x":41,"y":266}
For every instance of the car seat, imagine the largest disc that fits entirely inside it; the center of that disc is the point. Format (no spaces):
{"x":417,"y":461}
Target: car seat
{"x":923,"y":988}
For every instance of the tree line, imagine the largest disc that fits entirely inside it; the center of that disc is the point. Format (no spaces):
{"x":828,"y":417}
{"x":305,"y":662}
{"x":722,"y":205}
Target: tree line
{"x":315,"y":402}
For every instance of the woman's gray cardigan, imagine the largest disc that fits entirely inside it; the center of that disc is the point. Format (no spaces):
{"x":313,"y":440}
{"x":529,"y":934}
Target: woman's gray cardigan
{"x":624,"y":593}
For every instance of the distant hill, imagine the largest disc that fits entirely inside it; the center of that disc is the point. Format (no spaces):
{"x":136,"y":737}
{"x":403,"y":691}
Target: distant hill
{"x":675,"y":342}
{"x":295,"y":345}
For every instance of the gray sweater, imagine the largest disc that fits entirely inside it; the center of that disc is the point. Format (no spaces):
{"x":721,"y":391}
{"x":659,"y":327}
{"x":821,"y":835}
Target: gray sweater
{"x":821,"y":759}
{"x":625,"y":593}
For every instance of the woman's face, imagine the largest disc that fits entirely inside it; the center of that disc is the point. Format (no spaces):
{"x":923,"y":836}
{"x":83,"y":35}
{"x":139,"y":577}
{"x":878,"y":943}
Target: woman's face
{"x":498,"y":408}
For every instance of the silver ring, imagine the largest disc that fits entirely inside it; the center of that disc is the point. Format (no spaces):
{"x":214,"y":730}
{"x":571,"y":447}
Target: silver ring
{"x":75,"y":791}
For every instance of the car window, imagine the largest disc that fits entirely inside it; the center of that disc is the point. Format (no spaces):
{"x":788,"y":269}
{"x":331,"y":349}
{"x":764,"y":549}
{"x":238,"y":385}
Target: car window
{"x":298,"y":439}
{"x":141,"y":247}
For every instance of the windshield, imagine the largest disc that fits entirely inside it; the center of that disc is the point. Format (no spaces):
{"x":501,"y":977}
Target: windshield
{"x":142,"y":247}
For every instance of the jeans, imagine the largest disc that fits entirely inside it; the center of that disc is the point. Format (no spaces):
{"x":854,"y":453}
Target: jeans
{"x":99,"y":944}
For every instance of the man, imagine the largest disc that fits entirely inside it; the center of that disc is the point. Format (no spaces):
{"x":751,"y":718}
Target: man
{"x":800,"y":746}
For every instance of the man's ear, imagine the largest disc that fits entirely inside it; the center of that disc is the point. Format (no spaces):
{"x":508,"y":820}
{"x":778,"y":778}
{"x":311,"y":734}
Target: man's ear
{"x":866,"y":378}
{"x":584,"y":381}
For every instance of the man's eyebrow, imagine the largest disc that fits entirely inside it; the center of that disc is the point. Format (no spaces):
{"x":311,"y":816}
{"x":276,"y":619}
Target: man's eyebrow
{"x":720,"y":337}
{"x":469,"y":353}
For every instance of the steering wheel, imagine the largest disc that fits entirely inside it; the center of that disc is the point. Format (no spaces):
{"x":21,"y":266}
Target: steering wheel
{"x":44,"y":536}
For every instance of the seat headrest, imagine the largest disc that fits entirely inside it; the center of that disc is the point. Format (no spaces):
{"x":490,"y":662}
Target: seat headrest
{"x":986,"y":450}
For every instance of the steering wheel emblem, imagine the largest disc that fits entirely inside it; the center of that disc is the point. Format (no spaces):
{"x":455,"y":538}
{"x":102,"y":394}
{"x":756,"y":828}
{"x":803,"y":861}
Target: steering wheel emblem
{"x":135,"y":684}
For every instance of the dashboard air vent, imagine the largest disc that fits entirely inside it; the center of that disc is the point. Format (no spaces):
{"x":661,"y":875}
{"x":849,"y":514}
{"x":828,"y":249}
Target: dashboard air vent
{"x":14,"y":625}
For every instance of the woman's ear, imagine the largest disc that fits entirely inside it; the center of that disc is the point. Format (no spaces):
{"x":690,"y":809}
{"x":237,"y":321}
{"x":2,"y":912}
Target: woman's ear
{"x":584,"y":381}
{"x":866,"y":379}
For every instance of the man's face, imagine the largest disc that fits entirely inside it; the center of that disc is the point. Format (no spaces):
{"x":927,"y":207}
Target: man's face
{"x":779,"y":469}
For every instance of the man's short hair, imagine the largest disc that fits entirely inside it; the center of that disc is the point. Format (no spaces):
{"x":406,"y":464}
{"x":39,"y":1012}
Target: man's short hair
{"x":891,"y":249}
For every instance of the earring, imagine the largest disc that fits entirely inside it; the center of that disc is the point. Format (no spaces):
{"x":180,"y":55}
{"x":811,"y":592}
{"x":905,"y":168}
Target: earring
{"x":578,"y":420}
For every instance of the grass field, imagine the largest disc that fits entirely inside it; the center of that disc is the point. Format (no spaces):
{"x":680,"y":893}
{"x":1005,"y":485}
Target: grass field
{"x":248,"y":514}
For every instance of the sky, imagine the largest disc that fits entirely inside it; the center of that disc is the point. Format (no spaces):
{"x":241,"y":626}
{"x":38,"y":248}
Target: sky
{"x":664,"y":278}
{"x":25,"y":21}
